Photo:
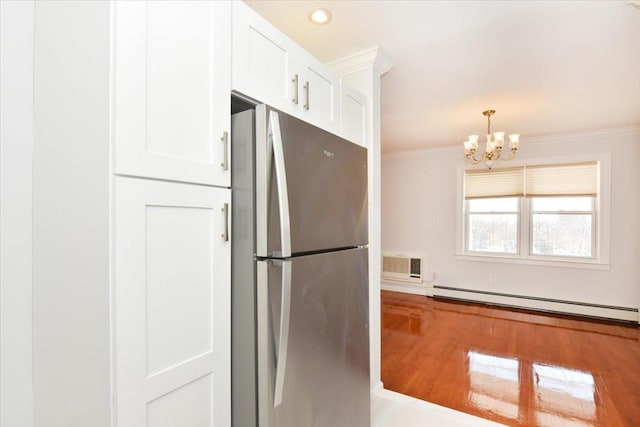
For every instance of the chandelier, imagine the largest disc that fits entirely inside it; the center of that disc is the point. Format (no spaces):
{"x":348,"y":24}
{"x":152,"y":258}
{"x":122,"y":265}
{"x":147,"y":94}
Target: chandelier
{"x":493,"y":146}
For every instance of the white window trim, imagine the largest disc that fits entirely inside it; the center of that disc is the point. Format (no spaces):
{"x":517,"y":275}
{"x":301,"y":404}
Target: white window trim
{"x":601,"y":260}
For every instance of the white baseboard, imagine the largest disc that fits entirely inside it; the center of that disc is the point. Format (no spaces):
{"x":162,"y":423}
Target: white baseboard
{"x":540,"y":304}
{"x":408,"y":288}
{"x":377,"y":389}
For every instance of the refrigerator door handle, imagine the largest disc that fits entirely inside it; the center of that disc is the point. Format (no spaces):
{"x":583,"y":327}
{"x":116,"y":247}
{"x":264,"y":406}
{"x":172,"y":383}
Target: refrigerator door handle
{"x":281,"y":181}
{"x":283,"y":342}
{"x":264,"y":338}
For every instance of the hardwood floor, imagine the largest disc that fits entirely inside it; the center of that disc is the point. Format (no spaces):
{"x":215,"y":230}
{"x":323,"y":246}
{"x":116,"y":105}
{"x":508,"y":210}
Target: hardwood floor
{"x":514,"y":367}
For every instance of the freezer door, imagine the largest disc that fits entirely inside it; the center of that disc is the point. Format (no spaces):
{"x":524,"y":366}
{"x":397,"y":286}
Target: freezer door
{"x":311,"y":187}
{"x":313,"y":341}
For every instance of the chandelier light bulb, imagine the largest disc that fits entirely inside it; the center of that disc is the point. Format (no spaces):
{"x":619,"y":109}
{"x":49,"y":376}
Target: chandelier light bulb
{"x":474,"y":140}
{"x":514,"y":141}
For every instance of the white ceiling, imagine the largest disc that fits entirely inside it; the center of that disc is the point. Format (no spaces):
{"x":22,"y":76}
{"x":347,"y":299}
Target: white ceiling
{"x":546,"y":67}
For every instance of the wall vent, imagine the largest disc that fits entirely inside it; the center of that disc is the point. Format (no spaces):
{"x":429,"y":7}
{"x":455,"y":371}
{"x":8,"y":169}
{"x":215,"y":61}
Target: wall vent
{"x":403,"y":268}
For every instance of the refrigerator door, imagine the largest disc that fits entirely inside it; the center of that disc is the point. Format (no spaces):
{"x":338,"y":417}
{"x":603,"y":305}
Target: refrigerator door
{"x":313,"y":340}
{"x":244,"y":396}
{"x":311,"y":187}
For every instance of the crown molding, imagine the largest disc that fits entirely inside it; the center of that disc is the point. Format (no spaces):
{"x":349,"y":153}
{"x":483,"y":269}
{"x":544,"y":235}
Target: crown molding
{"x":422,"y":152}
{"x":547,"y":139}
{"x":634,"y":3}
{"x":373,"y":58}
{"x":584,"y":135}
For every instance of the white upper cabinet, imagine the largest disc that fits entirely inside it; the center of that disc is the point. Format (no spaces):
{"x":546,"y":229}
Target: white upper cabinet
{"x":271,"y":68}
{"x":171,"y":90}
{"x":320,"y":93}
{"x":262,"y":60}
{"x":354,"y":115}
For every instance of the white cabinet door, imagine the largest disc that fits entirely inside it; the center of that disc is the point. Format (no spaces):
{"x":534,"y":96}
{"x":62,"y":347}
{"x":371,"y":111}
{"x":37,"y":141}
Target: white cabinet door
{"x":271,"y":68}
{"x":320,"y":93}
{"x":354,"y":115}
{"x":171,"y":90}
{"x":171,"y":305}
{"x":263,"y":60}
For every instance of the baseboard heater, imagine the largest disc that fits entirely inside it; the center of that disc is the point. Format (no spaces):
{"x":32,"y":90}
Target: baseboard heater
{"x":539,"y":304}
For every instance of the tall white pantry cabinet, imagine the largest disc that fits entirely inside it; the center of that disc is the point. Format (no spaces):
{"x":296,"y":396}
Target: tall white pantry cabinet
{"x":132,"y":206}
{"x":132,"y":200}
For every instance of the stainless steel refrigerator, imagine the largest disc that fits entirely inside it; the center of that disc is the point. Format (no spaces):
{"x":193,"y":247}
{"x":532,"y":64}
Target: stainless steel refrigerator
{"x":300,"y":304}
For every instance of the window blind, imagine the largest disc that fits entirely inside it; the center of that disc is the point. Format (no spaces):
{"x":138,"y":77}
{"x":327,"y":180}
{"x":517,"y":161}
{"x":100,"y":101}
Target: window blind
{"x":494,"y":183}
{"x":577,"y":179}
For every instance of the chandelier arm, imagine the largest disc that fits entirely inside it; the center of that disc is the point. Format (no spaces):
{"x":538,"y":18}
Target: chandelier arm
{"x":513,"y":156}
{"x":474,"y":159}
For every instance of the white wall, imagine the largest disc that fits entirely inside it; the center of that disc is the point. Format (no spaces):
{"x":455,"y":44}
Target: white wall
{"x":16,"y":134}
{"x":71,"y":182}
{"x":419,"y":203}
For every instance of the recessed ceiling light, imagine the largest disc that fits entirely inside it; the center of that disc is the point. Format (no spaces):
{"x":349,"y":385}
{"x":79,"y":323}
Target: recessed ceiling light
{"x":320,"y":16}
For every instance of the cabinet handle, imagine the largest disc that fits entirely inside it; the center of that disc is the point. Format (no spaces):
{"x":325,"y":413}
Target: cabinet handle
{"x":225,"y":147}
{"x":306,"y":92}
{"x":295,"y":89}
{"x":225,"y":234}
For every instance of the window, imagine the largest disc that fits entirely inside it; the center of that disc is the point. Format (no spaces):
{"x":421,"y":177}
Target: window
{"x":562,"y":226}
{"x":493,"y":225}
{"x":541,"y":211}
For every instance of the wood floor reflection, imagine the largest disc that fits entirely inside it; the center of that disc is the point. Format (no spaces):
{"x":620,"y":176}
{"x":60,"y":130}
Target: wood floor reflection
{"x":515,"y":367}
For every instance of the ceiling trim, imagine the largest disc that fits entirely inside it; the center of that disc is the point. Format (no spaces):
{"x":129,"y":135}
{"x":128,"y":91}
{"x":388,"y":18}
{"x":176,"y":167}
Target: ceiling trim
{"x":586,"y":135}
{"x":547,"y":139}
{"x":371,"y":58}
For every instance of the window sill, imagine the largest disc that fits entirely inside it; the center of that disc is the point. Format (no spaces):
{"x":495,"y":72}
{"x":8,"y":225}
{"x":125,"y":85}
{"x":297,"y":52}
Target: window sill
{"x":588,"y":264}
